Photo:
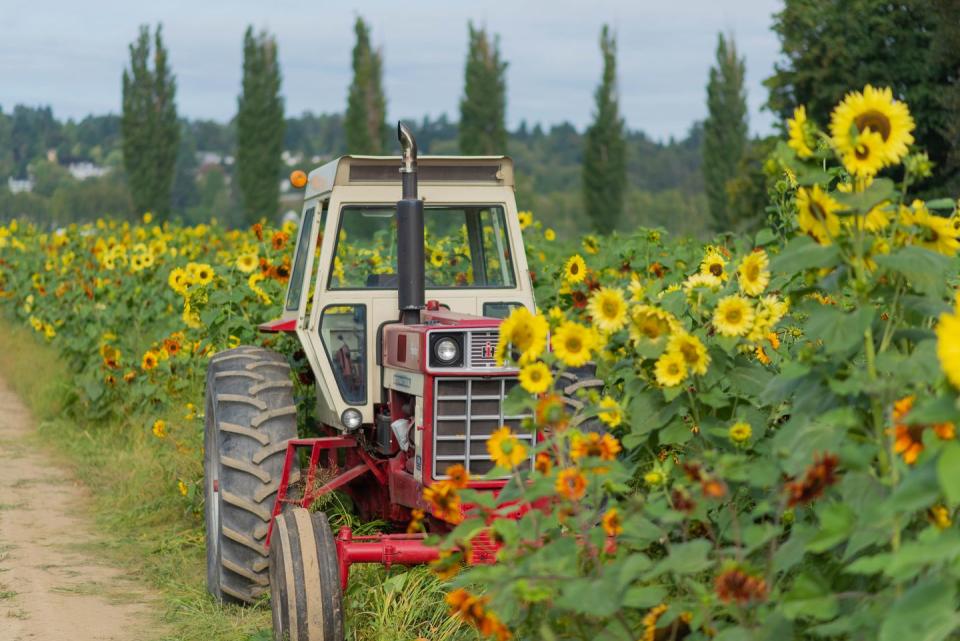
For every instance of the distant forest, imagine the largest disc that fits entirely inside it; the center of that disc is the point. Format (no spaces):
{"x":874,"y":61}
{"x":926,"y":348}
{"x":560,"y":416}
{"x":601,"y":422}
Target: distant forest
{"x":665,"y":182}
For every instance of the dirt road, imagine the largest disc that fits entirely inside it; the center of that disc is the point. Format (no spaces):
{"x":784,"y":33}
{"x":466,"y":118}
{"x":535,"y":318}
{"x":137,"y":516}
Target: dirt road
{"x":53,"y":587}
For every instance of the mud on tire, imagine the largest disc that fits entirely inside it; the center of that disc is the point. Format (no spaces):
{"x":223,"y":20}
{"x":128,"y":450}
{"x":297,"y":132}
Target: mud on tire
{"x":250,"y":415}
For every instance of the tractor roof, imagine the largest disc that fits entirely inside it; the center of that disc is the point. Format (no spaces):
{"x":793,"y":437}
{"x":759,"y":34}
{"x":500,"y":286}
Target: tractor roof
{"x":472,"y":171}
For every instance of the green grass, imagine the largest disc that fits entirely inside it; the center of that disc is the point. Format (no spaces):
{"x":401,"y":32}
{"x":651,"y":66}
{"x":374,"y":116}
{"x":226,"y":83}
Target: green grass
{"x":146,"y":527}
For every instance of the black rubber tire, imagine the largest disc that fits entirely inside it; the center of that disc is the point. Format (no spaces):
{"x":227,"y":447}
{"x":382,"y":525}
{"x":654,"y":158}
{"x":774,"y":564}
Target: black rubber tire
{"x":250,"y":415}
{"x":305,"y":595}
{"x":571,"y":383}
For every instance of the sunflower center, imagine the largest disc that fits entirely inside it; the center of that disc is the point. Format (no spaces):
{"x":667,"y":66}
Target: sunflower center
{"x":610,"y":308}
{"x":716,"y":269}
{"x":931,"y":236}
{"x":862,"y":151}
{"x":574,"y":269}
{"x":818,"y":211}
{"x":689,"y":353}
{"x":574,"y":344}
{"x":673,"y":369}
{"x":734,"y":316}
{"x":875,"y":121}
{"x":753,"y":271}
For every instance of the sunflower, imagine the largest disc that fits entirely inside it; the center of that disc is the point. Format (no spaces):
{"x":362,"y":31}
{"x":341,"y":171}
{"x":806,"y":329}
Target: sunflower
{"x":733,"y":316}
{"x":649,"y":323}
{"x":610,"y":412}
{"x":876,"y":219}
{"x":279,"y":240}
{"x":591,"y":245}
{"x":247,"y":262}
{"x":572,"y":343}
{"x":551,"y":411}
{"x":948,"y":346}
{"x":201,"y":273}
{"x":865,"y":158}
{"x":525,"y":218}
{"x":458,"y":476}
{"x":444,"y":500}
{"x":253,"y":283}
{"x":693,"y":351}
{"x":817,"y":215}
{"x":612,"y":523}
{"x":437,"y":258}
{"x":159,"y":428}
{"x":536,"y":378}
{"x":799,"y":129}
{"x":608,"y":308}
{"x":575,"y":269}
{"x":549,"y":234}
{"x":740,"y":432}
{"x":714,"y":263}
{"x":571,"y":484}
{"x":754,"y":273}
{"x":604,"y":447}
{"x":876,"y":111}
{"x":671,"y":369}
{"x":937,"y":234}
{"x":150,"y":360}
{"x":701,"y":281}
{"x":524,"y":333}
{"x":505,"y":449}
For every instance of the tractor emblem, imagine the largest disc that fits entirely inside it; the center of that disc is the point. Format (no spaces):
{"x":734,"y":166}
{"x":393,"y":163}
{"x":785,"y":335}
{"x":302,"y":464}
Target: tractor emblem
{"x":488,"y":350}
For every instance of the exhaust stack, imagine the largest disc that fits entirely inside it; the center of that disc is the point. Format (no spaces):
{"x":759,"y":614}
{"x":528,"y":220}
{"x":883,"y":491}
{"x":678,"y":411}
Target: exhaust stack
{"x":410,"y":253}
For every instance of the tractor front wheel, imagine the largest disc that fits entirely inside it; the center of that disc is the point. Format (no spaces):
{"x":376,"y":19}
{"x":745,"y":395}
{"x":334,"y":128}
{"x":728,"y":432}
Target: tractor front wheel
{"x":250,"y":416}
{"x":305,"y":594}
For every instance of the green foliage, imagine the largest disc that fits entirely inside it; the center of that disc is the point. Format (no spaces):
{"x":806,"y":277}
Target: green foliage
{"x":259,"y":127}
{"x":604,"y":151}
{"x":725,"y":134}
{"x":151,"y":133}
{"x":365,"y":120}
{"x":483,"y":107}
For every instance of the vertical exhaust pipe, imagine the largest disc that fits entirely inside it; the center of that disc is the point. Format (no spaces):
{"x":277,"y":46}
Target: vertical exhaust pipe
{"x":410,"y":253}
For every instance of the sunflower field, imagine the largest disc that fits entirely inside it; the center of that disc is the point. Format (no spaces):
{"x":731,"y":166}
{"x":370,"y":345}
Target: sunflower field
{"x":774,"y":453}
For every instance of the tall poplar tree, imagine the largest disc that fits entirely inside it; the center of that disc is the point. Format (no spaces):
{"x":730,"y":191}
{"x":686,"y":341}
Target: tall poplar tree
{"x":725,"y":130}
{"x":604,"y":154}
{"x":365,"y":120}
{"x":151,"y":133}
{"x":260,"y":127}
{"x":483,"y":108}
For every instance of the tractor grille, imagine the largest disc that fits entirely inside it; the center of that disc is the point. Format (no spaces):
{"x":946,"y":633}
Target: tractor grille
{"x":483,"y":345}
{"x":466,"y":412}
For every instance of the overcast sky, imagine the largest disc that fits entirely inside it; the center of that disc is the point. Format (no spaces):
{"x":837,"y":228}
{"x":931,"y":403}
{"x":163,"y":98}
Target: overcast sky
{"x":70,"y":54}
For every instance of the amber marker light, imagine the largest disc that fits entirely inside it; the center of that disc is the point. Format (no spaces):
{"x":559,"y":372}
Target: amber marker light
{"x":298,"y":179}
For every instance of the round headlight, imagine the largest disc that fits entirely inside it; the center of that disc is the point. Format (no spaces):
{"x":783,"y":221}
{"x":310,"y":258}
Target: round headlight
{"x":351,"y":419}
{"x":446,"y":350}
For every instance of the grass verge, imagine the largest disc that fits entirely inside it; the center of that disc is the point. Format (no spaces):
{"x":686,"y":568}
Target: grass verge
{"x":147,"y":527}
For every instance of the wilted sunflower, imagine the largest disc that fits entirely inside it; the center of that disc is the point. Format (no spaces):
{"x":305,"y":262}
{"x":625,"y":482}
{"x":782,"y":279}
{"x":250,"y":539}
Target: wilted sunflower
{"x":608,"y":308}
{"x":733,"y":316}
{"x":817,"y":215}
{"x":535,"y":378}
{"x":575,"y":269}
{"x":692,"y":350}
{"x":671,"y":369}
{"x":799,"y":129}
{"x":754,"y":273}
{"x":572,"y":343}
{"x":872,"y":110}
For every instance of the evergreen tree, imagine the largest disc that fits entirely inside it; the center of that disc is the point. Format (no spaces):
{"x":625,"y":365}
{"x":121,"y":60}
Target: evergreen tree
{"x":725,"y":131}
{"x":483,"y":107}
{"x":260,"y":127}
{"x":912,"y":46}
{"x":604,"y":154}
{"x":365,"y":120}
{"x":151,"y":133}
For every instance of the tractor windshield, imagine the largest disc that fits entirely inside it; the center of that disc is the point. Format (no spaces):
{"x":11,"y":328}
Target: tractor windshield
{"x":466,"y":246}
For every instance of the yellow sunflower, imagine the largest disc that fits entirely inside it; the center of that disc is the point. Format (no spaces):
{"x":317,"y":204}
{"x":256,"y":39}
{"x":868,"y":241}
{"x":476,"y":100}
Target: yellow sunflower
{"x":799,"y":129}
{"x":670,"y":369}
{"x":948,"y":346}
{"x":437,"y":258}
{"x":817,"y":215}
{"x":701,"y":281}
{"x":740,"y":432}
{"x":649,"y":323}
{"x":201,"y":273}
{"x":693,"y":351}
{"x":714,"y":263}
{"x":572,"y":343}
{"x":733,"y":316}
{"x":608,"y":308}
{"x":525,"y":218}
{"x":872,"y":110}
{"x":505,"y":449}
{"x":610,"y":412}
{"x":150,"y":360}
{"x":590,"y":244}
{"x":876,"y":219}
{"x":866,"y":157}
{"x":524,"y":333}
{"x":549,"y":234}
{"x":754,"y":273}
{"x":159,"y":428}
{"x":536,"y":378}
{"x":575,"y":270}
{"x":936,"y":233}
{"x":247,"y":262}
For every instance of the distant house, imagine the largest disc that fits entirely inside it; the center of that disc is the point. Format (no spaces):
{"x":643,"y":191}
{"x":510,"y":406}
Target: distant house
{"x":19,"y":185}
{"x":84,"y":169}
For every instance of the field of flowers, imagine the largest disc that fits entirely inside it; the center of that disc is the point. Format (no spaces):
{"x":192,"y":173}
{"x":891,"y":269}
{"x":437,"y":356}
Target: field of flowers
{"x":780,"y":459}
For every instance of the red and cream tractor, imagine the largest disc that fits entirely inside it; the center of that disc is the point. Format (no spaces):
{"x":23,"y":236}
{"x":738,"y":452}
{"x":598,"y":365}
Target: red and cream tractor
{"x":401,"y":345}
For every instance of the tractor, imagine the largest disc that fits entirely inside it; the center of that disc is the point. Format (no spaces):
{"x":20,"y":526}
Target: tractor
{"x":401,"y":346}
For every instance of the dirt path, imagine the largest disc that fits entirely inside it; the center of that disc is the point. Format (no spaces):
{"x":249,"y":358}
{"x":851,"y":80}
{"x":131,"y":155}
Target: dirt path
{"x":52,"y":587}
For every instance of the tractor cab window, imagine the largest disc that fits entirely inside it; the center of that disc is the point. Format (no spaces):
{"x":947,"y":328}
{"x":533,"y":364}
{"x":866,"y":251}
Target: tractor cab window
{"x":465,"y":246}
{"x":343,"y":330}
{"x":299,"y":271}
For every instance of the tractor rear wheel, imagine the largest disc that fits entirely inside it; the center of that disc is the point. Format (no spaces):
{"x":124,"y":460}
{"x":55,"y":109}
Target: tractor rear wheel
{"x":305,"y":595}
{"x":250,"y":415}
{"x":571,"y":383}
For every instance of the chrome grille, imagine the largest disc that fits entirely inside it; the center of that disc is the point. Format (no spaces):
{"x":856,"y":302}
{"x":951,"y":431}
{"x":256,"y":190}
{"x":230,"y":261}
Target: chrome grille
{"x":482,"y":347}
{"x":466,"y":412}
